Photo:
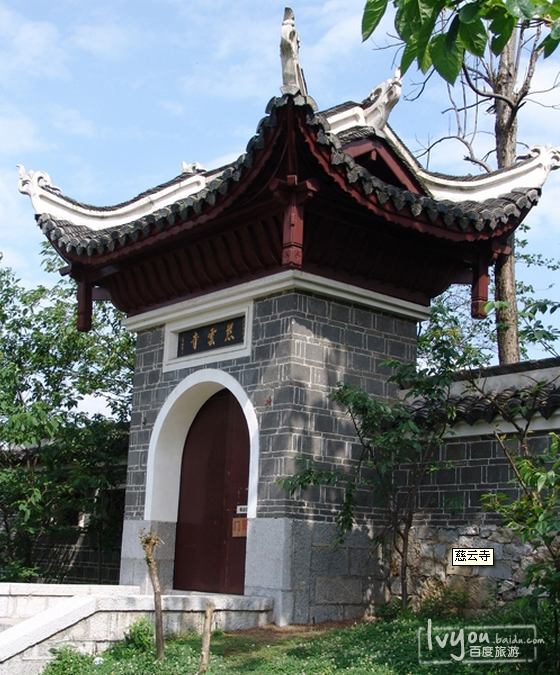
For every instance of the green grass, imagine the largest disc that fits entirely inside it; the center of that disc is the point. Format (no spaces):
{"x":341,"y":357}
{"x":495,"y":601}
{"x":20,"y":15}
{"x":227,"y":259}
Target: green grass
{"x":372,"y":648}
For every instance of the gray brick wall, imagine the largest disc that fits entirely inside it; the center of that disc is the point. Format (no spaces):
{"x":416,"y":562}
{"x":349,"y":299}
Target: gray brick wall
{"x":451,"y":516}
{"x":302,"y":346}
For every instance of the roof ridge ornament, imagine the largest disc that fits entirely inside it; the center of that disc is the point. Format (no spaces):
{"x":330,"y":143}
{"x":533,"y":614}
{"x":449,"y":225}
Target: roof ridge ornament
{"x":192,"y":168}
{"x":548,"y":156}
{"x":530,"y":171}
{"x":293,"y":80}
{"x":382,"y":99}
{"x":30,"y":183}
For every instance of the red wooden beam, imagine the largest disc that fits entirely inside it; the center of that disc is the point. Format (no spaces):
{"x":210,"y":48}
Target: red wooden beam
{"x":84,"y":306}
{"x":479,"y":289}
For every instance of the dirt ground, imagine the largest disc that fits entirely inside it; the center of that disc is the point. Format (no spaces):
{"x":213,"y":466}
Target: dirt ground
{"x":273,"y":633}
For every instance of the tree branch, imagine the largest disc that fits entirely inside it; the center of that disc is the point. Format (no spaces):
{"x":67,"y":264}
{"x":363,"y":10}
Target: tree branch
{"x":488,"y":94}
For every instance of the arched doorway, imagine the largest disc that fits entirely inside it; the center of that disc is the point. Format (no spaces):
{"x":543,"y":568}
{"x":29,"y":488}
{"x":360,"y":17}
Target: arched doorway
{"x":209,"y":553}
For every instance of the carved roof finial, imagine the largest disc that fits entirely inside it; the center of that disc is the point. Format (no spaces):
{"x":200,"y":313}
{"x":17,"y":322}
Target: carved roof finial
{"x":382,"y":100}
{"x":292,"y":74}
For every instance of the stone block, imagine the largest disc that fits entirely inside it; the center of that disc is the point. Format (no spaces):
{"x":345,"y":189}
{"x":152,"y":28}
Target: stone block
{"x":321,"y":613}
{"x":333,"y":334}
{"x":469,"y":530}
{"x":455,"y":451}
{"x":300,"y":373}
{"x":397,"y":349}
{"x":302,"y":328}
{"x":502,"y":535}
{"x":263,"y":308}
{"x":268,"y":553}
{"x":446,"y":535}
{"x":363,"y":562}
{"x":515,"y":551}
{"x":322,"y":376}
{"x":301,"y":607}
{"x":329,"y":561}
{"x":424,"y":532}
{"x":385,"y":324}
{"x":481,"y":449}
{"x":499,"y":570}
{"x":470,"y":475}
{"x":317,"y":307}
{"x":353,"y":612}
{"x":340,"y":313}
{"x":338,"y":590}
{"x":301,"y":558}
{"x":498,"y":474}
{"x":322,"y":534}
{"x":361,"y":362}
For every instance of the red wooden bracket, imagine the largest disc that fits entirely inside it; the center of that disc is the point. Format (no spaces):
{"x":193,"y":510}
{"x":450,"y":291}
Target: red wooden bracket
{"x":293,"y":195}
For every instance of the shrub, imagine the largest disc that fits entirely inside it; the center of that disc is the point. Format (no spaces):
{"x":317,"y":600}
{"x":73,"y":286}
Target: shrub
{"x":140,"y":636}
{"x":68,"y":662}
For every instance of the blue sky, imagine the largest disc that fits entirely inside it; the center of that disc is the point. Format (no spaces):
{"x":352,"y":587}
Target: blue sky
{"x":110,"y":98}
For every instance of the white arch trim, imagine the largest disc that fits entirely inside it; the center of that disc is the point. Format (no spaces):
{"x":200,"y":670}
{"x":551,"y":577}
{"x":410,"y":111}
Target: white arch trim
{"x":168,"y":439}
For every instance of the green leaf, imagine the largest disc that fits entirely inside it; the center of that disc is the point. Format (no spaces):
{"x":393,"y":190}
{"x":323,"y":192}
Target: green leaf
{"x":470,"y":12}
{"x":373,"y":13}
{"x":521,"y":9}
{"x":409,"y":54}
{"x":551,"y":10}
{"x":501,"y":26}
{"x":403,"y":26}
{"x":447,"y":62}
{"x":549,"y":45}
{"x":474,"y":37}
{"x":452,"y":33}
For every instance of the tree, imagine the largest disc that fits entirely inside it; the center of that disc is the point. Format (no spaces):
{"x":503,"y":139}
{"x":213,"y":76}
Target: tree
{"x":56,"y":461}
{"x":486,"y":44}
{"x":535,"y":513}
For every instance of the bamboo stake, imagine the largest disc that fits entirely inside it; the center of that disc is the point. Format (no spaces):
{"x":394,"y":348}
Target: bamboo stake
{"x":149,"y":541}
{"x":206,"y":633}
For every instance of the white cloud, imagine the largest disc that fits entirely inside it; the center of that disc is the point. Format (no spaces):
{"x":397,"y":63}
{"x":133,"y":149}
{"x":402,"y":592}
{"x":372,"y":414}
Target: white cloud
{"x":29,"y":47}
{"x":172,"y":108}
{"x":18,"y":134}
{"x":104,"y":41}
{"x":229,"y":66}
{"x":240,"y":58}
{"x":71,"y":121}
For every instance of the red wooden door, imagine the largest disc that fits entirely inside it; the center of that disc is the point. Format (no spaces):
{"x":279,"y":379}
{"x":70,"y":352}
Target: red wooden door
{"x":214,"y":482}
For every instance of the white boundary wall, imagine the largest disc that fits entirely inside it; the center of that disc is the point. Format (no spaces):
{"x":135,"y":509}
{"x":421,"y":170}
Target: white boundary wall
{"x":91,"y":618}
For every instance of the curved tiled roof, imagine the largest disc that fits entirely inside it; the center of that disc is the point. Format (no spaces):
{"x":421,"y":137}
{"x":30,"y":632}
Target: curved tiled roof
{"x":540,"y":397}
{"x":506,"y":404}
{"x":472,"y":216}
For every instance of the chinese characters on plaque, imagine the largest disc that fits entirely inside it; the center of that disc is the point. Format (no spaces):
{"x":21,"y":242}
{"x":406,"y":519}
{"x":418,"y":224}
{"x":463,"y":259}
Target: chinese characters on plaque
{"x":472,"y":556}
{"x":216,"y":335}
